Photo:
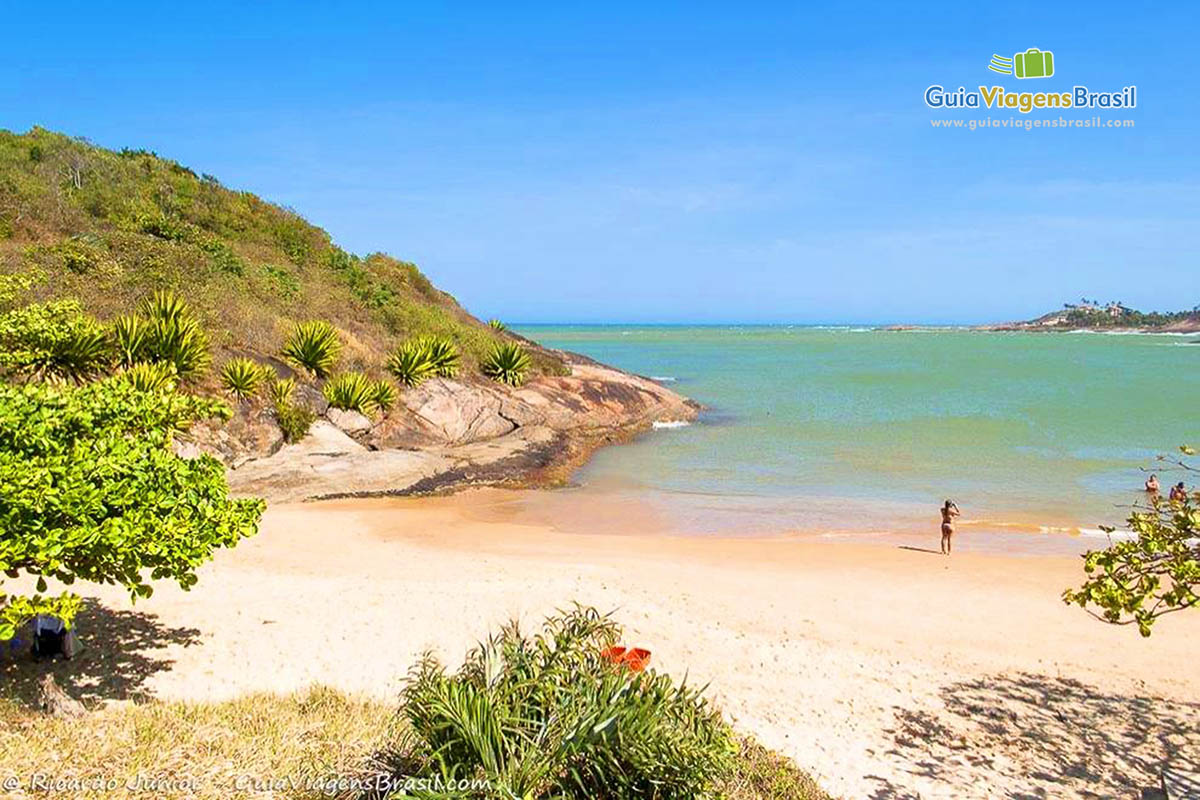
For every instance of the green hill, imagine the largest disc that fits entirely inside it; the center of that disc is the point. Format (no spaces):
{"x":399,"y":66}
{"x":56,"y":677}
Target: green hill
{"x":110,"y":227}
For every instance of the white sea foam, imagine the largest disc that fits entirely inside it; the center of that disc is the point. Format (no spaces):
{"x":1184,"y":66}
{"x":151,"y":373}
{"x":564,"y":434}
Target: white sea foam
{"x":663,"y":378}
{"x":672,"y":423}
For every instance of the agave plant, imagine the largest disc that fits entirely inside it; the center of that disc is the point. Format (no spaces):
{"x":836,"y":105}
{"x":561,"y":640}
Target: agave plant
{"x":507,"y":363}
{"x":547,"y":716}
{"x":351,"y":391}
{"x":166,"y":306}
{"x":497,"y":325}
{"x":314,"y":346}
{"x":241,"y":377}
{"x":280,"y":391}
{"x":384,"y":394}
{"x":442,"y":355}
{"x":81,"y":353}
{"x":169,"y":334}
{"x":144,"y":377}
{"x":179,"y":341}
{"x":411,"y":363}
{"x":129,"y":334}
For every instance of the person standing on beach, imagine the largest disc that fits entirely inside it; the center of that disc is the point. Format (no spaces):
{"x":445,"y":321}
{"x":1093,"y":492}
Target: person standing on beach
{"x":949,"y":512}
{"x":1152,"y":484}
{"x":1178,"y":493}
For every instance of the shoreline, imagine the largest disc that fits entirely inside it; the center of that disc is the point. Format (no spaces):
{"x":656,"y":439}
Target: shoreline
{"x":861,"y":662}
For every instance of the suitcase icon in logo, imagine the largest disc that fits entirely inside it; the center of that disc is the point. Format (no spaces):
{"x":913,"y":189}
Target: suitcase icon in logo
{"x":1034,"y":63}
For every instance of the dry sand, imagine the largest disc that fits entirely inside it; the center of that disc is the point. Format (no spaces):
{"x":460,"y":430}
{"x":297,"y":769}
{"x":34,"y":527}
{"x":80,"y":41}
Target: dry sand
{"x":886,"y":672}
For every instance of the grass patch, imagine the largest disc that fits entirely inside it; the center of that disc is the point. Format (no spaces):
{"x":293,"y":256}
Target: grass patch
{"x":262,"y":737}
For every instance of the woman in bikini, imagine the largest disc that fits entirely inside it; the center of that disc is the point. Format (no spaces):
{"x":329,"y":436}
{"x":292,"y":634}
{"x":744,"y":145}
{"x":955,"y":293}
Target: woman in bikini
{"x":949,"y":512}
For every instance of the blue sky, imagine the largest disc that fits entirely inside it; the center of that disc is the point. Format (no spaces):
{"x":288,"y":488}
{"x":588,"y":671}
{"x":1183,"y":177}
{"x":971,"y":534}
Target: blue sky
{"x":639,"y":162}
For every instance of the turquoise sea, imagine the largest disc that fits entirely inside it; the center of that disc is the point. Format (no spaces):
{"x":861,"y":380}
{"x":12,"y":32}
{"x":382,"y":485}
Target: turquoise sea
{"x":854,"y":431}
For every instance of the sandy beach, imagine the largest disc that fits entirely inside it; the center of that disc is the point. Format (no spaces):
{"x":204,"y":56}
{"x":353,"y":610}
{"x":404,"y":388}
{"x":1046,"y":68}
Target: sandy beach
{"x":886,"y":670}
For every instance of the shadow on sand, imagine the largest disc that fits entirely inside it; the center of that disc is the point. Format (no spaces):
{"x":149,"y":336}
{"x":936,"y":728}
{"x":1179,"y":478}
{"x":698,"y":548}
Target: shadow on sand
{"x":116,"y":657}
{"x":919,"y":549}
{"x":1035,"y":736}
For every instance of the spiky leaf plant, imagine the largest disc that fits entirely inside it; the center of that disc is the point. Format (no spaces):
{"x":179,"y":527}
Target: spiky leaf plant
{"x":411,"y":363}
{"x":242,"y":377}
{"x":84,"y":353}
{"x":180,"y":342}
{"x":129,"y":334}
{"x":314,"y":346}
{"x":546,"y":716}
{"x":442,"y":355}
{"x":497,"y":325}
{"x":165,"y":306}
{"x":351,"y":391}
{"x":507,"y":363}
{"x":173,"y":335}
{"x":280,"y":391}
{"x":384,"y":394}
{"x":158,"y":377}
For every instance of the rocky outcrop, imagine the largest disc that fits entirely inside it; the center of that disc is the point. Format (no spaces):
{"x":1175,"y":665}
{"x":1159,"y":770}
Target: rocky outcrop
{"x":446,"y":434}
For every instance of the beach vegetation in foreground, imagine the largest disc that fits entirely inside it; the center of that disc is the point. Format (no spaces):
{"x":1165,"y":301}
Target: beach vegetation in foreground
{"x":507,"y":363}
{"x":1157,"y":572}
{"x":317,"y":743}
{"x":546,"y":715}
{"x":90,"y":490}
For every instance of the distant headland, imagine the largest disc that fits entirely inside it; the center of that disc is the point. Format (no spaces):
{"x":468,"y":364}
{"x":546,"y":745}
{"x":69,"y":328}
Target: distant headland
{"x":1094,"y":315}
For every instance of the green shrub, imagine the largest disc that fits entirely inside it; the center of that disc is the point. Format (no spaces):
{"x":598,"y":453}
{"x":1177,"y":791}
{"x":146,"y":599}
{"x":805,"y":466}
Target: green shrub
{"x":144,"y":377}
{"x":384,"y":394}
{"x":280,"y":391}
{"x":285,"y":282}
{"x":507,"y":363}
{"x":442,"y":355}
{"x":162,"y":226}
{"x":242,"y":377}
{"x":92,"y":492}
{"x":314,"y":346}
{"x":351,"y":391}
{"x":497,"y":325}
{"x":294,"y":420}
{"x":548,"y":717}
{"x":223,"y":258}
{"x":54,"y":340}
{"x":411,"y":363}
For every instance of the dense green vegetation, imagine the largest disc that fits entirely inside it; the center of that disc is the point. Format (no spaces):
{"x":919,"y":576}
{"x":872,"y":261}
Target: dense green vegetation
{"x":547,"y":716}
{"x":90,"y":490}
{"x":1157,"y":572}
{"x":108,"y":228}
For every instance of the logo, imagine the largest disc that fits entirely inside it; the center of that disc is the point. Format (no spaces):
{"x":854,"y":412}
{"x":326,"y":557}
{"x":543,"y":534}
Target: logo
{"x":1033,"y":63}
